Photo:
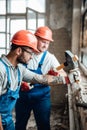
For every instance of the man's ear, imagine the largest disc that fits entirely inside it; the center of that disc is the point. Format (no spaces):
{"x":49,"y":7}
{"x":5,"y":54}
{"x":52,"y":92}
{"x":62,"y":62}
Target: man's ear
{"x":19,"y":51}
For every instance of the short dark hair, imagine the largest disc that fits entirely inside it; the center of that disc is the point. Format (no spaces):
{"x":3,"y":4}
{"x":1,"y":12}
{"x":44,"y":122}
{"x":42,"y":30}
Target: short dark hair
{"x":14,"y":46}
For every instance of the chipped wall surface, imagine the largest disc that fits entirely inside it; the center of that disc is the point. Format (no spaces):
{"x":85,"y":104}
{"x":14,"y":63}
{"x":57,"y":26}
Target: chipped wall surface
{"x":60,"y":14}
{"x":59,"y":19}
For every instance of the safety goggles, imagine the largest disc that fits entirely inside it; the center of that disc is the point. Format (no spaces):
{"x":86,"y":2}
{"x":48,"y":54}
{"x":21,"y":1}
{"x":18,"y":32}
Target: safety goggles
{"x":29,"y":52}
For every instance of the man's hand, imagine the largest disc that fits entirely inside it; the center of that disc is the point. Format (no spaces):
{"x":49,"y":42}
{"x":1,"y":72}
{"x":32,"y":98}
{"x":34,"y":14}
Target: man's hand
{"x":1,"y":128}
{"x":26,"y":86}
{"x":53,"y":80}
{"x":72,"y":77}
{"x":53,"y":72}
{"x":61,"y":75}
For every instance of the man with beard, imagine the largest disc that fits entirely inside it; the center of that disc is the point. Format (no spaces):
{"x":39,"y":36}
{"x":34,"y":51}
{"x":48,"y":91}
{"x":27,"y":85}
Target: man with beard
{"x":11,"y":74}
{"x":38,"y":98}
{"x":24,"y":43}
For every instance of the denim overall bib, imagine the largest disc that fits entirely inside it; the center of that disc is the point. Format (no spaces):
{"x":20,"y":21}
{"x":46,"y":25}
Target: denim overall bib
{"x":36,"y":99}
{"x":8,"y":101}
{"x":40,"y":90}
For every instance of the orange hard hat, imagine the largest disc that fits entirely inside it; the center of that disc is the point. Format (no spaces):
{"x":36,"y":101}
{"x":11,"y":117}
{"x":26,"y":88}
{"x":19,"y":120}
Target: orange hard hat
{"x":44,"y":32}
{"x":25,"y":38}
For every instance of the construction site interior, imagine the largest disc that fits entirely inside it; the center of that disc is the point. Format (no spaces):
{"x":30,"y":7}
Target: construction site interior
{"x":68,"y":21}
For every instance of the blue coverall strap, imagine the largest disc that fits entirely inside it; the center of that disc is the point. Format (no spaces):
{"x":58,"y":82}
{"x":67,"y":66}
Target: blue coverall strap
{"x":8,"y":73}
{"x":42,"y":59}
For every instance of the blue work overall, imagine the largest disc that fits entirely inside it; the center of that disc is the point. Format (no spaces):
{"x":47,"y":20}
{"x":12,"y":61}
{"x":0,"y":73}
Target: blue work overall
{"x":36,"y":99}
{"x":8,"y":101}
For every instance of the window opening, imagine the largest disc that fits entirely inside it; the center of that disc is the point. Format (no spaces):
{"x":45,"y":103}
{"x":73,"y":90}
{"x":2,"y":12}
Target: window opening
{"x":13,"y":18}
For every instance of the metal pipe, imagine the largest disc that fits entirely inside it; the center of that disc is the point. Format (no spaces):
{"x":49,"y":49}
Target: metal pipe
{"x":71,"y":113}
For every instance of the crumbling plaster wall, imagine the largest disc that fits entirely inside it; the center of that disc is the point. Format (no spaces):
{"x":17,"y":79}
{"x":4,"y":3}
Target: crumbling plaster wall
{"x":59,"y":19}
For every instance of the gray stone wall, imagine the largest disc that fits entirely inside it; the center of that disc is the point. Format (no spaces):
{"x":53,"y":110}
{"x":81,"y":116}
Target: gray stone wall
{"x":59,"y":19}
